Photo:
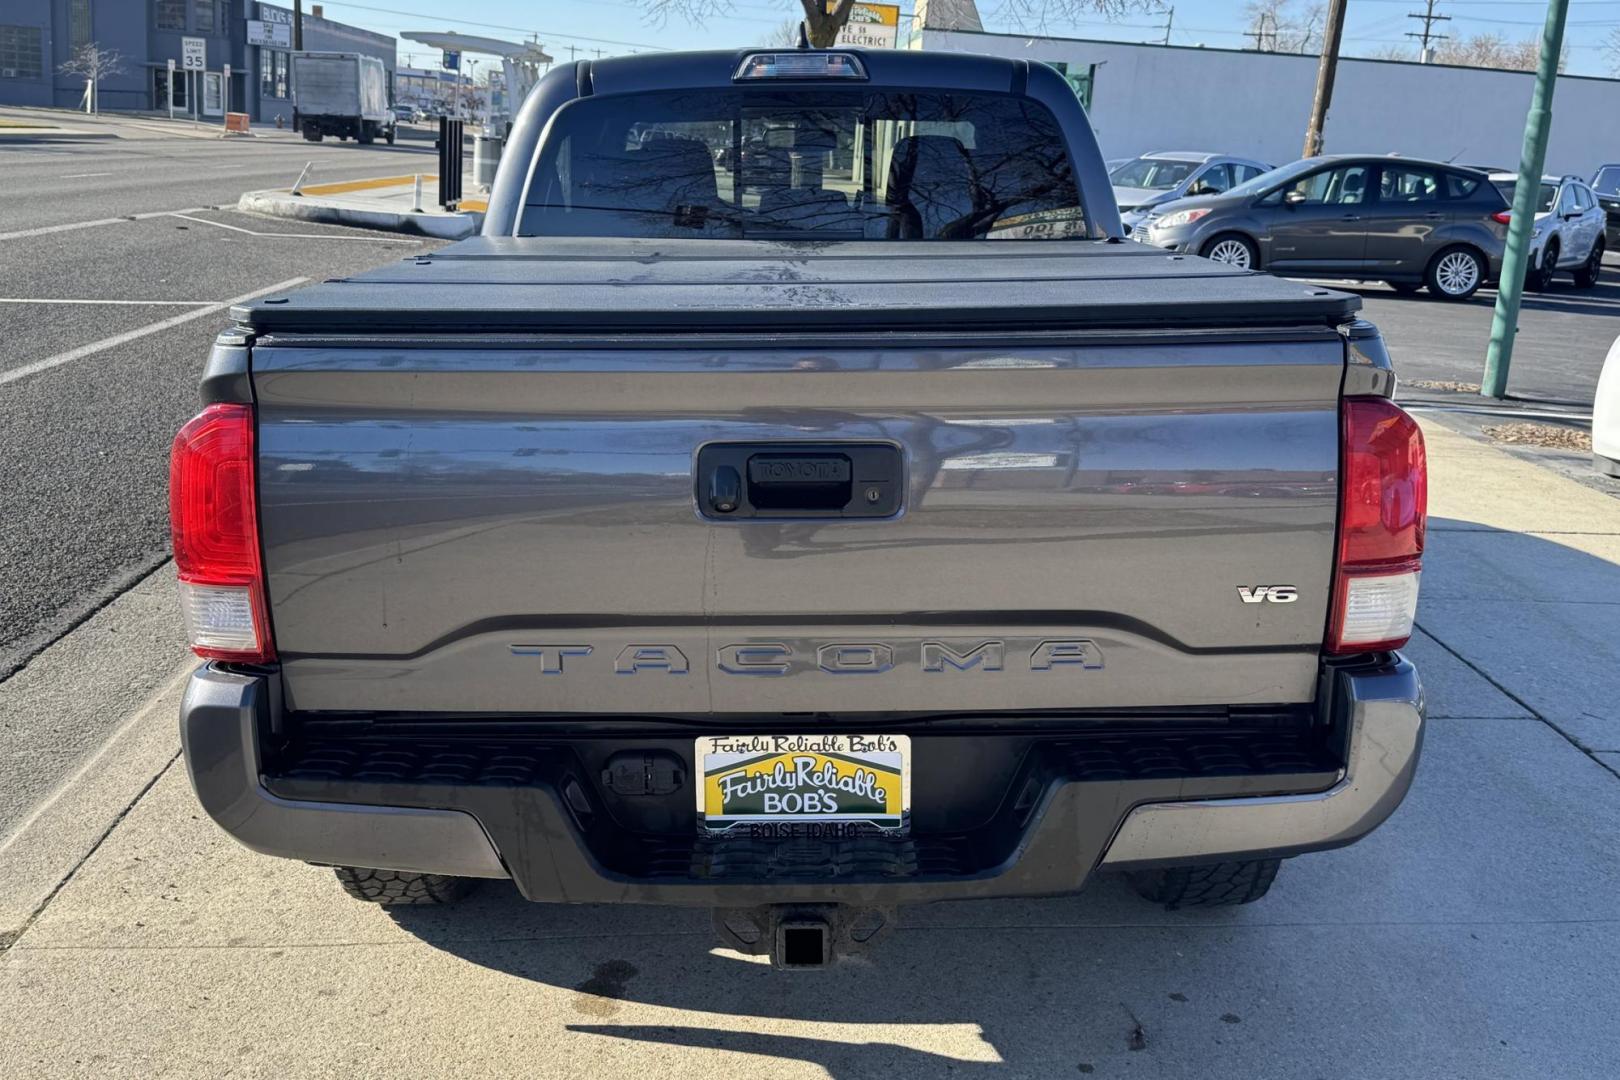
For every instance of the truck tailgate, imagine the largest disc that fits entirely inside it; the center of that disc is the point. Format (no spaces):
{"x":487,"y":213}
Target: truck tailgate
{"x":514,"y":521}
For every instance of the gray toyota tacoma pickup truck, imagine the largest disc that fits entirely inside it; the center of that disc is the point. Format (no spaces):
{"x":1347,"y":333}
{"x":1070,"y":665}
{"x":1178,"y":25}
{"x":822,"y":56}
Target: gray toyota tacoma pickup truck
{"x":800,"y":502}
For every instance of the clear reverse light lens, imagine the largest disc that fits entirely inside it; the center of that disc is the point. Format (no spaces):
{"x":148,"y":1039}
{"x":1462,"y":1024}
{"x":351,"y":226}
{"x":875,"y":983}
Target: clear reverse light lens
{"x":1379,"y":609}
{"x":219,"y":617}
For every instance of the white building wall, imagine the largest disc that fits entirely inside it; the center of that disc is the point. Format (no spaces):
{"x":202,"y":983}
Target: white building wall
{"x":1154,"y":97}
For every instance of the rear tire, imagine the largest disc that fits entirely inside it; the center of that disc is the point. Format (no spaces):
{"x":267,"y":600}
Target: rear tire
{"x":1223,"y":884}
{"x":312,"y":135}
{"x":367,"y":133}
{"x":1405,"y":288}
{"x":1541,"y":275}
{"x":1234,"y":250}
{"x":399,"y":888}
{"x":1455,"y":274}
{"x":1592,"y":269}
{"x":390,"y":135}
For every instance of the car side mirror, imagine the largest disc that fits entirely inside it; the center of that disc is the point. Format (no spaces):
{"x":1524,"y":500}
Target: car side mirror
{"x":1293,"y":198}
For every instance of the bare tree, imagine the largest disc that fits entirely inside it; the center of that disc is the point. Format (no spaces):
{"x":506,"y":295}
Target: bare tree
{"x":1611,"y":45}
{"x":783,"y":35}
{"x":1488,"y":51}
{"x":1277,"y":26}
{"x":93,"y":63}
{"x":823,"y":19}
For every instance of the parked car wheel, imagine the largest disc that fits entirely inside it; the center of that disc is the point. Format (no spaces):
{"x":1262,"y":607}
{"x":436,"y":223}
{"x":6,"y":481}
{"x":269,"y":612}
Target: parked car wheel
{"x":1540,"y":277}
{"x":1236,"y":250}
{"x":1207,"y":885}
{"x":1455,"y":274}
{"x":312,"y":135}
{"x":1587,"y":276}
{"x":396,"y":888}
{"x":1405,"y":288}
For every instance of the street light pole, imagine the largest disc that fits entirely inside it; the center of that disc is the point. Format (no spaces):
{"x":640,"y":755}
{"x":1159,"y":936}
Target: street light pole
{"x":1532,"y":159}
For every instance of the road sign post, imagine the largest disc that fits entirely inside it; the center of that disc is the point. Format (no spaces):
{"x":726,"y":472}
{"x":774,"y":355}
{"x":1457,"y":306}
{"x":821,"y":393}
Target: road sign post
{"x":194,"y":58}
{"x":171,"y":88}
{"x":225,"y":96}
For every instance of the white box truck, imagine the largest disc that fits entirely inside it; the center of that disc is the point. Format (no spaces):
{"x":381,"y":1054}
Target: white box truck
{"x":341,"y":94}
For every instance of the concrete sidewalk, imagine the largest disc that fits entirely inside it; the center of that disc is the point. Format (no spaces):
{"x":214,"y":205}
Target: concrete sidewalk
{"x":1476,"y":935}
{"x":394,"y":203}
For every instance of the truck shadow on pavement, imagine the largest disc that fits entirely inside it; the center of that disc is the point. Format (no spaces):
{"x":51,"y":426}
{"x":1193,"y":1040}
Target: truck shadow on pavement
{"x":1040,"y":988}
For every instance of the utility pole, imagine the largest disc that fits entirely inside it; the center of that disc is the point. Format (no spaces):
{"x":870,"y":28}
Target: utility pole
{"x":298,"y":25}
{"x":1429,"y":19}
{"x":1259,"y":32}
{"x":1326,"y":71}
{"x":1532,"y":159}
{"x":1169,"y":21}
{"x":572,"y":49}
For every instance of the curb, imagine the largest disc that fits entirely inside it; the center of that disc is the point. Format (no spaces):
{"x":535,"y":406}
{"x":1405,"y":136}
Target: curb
{"x":304,"y":208}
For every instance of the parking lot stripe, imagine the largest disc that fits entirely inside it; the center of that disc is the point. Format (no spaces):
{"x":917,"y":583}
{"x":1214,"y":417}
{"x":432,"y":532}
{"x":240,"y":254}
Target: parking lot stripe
{"x":84,"y":175}
{"x":125,"y":303}
{"x":130,"y":335}
{"x":70,"y":226}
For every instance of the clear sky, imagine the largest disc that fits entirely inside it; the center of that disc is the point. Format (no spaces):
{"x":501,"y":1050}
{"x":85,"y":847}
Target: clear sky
{"x":619,"y":26}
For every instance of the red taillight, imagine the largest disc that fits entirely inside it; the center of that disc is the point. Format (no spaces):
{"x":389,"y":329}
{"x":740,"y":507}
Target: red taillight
{"x":214,"y":524}
{"x":1383,"y":509}
{"x":1502,"y":217}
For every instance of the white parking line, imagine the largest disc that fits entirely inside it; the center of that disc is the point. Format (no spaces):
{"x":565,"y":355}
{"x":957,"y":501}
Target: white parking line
{"x":122,"y":303}
{"x":184,"y":216}
{"x":45,"y":230}
{"x":84,"y":175}
{"x":130,"y":335}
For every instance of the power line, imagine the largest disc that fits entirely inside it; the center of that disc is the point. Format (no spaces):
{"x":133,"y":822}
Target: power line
{"x":1429,"y":19}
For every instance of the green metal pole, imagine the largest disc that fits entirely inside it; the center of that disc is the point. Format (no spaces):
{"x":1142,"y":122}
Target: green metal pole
{"x":1510,"y":290}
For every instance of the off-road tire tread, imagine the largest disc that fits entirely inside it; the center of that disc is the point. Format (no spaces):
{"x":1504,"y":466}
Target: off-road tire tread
{"x":398,"y":888}
{"x":1224,"y":884}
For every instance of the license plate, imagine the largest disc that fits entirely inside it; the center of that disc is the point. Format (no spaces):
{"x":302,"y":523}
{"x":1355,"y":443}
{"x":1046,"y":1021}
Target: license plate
{"x":803,"y":785}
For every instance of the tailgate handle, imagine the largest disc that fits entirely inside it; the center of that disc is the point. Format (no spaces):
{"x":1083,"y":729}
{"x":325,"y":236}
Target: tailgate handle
{"x":794,"y":480}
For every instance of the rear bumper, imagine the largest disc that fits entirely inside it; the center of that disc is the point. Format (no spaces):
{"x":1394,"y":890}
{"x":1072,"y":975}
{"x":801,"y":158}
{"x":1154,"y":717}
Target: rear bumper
{"x":535,"y":824}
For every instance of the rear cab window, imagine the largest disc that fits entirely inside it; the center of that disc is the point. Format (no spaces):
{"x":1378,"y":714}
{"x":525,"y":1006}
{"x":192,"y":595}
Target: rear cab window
{"x":834,"y":164}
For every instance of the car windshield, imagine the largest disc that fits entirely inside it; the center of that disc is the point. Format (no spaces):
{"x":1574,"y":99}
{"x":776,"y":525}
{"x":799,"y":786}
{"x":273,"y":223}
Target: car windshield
{"x":1268,"y":180}
{"x":824,"y":164}
{"x":1548,"y":194}
{"x":1607,"y":180}
{"x":1155,"y":174}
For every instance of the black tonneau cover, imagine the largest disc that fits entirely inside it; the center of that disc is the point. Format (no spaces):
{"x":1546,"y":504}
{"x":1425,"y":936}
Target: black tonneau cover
{"x":507,"y":284}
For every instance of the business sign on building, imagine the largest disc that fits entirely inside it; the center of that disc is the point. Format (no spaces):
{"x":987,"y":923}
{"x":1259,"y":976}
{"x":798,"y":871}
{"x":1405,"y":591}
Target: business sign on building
{"x":194,"y":53}
{"x":870,"y":26}
{"x":275,"y":35}
{"x":280,"y":16}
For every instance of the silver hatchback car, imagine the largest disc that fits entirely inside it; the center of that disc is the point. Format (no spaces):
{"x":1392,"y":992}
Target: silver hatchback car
{"x":1144,"y":182}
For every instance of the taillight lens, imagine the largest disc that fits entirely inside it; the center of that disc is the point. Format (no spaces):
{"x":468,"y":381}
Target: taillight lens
{"x":214,"y":524}
{"x":1383,"y":510}
{"x":1502,"y":217}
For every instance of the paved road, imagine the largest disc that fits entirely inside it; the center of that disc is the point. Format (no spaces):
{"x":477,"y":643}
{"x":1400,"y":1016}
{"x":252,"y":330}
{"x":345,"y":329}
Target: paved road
{"x":1564,"y":333}
{"x":103,"y":330}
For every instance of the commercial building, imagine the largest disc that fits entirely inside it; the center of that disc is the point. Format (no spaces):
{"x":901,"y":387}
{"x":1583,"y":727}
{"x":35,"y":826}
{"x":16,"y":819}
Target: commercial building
{"x":253,"y":39}
{"x":1142,"y":98}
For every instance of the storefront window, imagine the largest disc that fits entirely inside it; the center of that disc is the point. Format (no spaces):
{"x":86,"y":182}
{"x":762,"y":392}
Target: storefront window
{"x":169,"y":14}
{"x":281,"y":74}
{"x":19,"y":52}
{"x":79,"y":33}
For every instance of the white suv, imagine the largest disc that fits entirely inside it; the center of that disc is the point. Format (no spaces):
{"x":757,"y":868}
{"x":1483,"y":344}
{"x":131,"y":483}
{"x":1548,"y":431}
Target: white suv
{"x":1568,"y":234}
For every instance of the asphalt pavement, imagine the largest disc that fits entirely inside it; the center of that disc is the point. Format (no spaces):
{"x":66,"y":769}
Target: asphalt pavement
{"x":114,"y":273}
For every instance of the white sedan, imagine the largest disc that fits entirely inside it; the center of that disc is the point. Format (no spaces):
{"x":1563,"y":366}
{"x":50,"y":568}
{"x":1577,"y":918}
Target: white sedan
{"x":1606,"y":416}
